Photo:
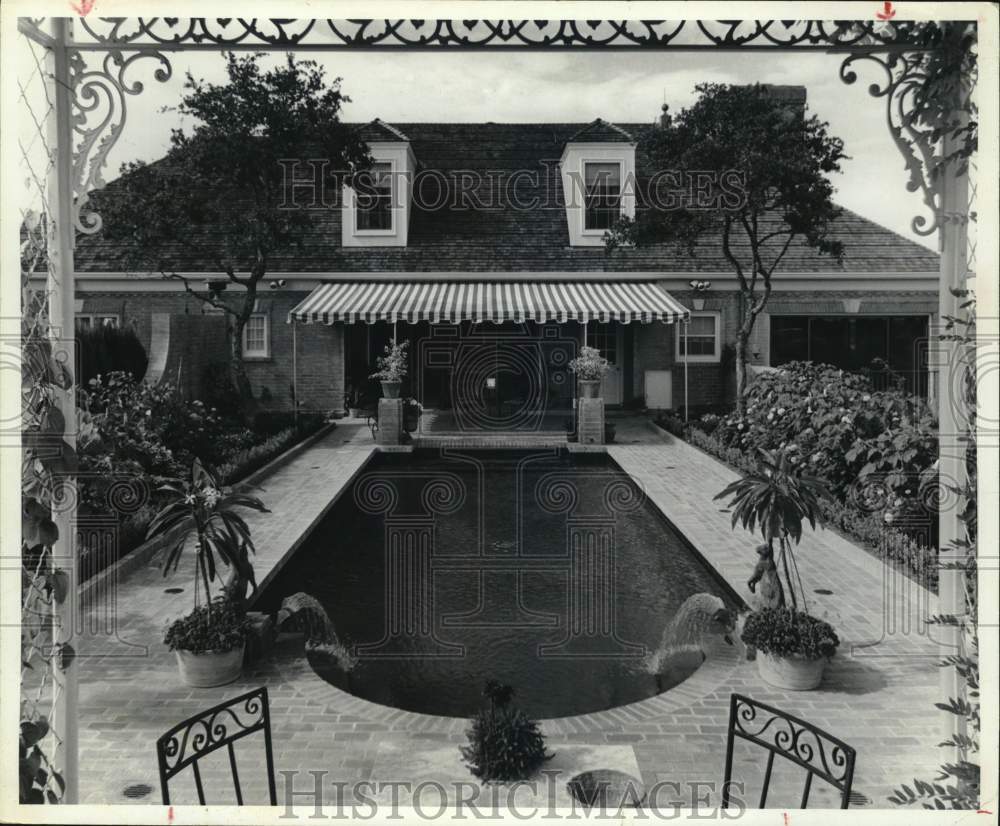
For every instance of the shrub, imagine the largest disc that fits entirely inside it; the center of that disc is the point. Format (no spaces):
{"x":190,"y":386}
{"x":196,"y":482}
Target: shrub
{"x":787,"y":633}
{"x":504,"y":743}
{"x":392,"y":364}
{"x":845,"y":430}
{"x":241,"y":464}
{"x":105,"y":349}
{"x":221,"y":625}
{"x":590,"y":365}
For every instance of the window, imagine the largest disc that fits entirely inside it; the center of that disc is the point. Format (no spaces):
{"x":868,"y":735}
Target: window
{"x":604,"y":336}
{"x":374,"y":199}
{"x":87,"y":322}
{"x":702,"y":338}
{"x":603,"y":188}
{"x":257,"y":337}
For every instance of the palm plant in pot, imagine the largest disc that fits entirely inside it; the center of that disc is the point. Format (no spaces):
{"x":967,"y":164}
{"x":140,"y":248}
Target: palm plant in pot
{"x":209,"y":642}
{"x":589,"y":368}
{"x":392,"y":368}
{"x":793,"y":645}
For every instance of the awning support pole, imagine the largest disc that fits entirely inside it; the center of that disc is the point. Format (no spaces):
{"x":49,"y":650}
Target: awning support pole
{"x":295,"y":372}
{"x":686,"y":351}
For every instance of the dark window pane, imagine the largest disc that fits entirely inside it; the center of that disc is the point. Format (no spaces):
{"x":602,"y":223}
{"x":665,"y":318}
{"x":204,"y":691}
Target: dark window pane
{"x":374,"y":201}
{"x":789,"y":339}
{"x":603,"y":186}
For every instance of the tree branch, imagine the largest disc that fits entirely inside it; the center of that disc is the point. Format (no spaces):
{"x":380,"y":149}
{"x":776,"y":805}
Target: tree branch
{"x":211,"y":302}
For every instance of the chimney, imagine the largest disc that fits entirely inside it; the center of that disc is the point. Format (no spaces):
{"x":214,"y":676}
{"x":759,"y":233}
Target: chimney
{"x":792,"y":96}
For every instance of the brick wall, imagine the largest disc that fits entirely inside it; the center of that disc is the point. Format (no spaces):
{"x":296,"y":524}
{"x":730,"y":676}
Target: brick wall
{"x":320,"y":351}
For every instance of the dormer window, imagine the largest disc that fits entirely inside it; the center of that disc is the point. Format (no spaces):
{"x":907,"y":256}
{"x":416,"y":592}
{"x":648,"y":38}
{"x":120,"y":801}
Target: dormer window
{"x":373,"y":199}
{"x":603,"y":186}
{"x":598,"y":177}
{"x":376,"y":212}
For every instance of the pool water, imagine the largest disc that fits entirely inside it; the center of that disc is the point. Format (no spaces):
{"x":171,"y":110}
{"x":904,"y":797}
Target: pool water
{"x":544,"y":570}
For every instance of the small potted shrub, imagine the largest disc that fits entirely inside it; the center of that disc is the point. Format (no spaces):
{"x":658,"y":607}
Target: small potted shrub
{"x":210,"y":641}
{"x":589,"y":368}
{"x":412,"y":411}
{"x":391,"y":368}
{"x":504,"y":743}
{"x":792,"y":646}
{"x":777,"y":498}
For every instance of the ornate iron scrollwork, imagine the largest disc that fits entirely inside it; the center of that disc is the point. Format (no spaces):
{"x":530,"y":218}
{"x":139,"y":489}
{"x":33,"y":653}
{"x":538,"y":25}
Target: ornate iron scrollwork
{"x":99,"y":115}
{"x":358,"y":33}
{"x":903,"y":77}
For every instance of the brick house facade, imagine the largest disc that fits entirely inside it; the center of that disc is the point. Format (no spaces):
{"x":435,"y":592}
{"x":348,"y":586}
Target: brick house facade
{"x":517,"y":221}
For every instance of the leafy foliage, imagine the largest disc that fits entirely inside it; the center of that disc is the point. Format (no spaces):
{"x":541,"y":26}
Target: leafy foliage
{"x":221,"y":625}
{"x":226,"y":173}
{"x":766,"y":186}
{"x":777,"y":498}
{"x":785,"y":632}
{"x":504,"y":743}
{"x":876,"y":448}
{"x":590,"y":365}
{"x":958,"y":782}
{"x":208,"y":512}
{"x":392,"y":364}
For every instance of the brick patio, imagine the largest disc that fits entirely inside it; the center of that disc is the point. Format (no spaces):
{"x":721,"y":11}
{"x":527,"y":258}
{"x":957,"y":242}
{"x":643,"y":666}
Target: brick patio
{"x":877,"y":695}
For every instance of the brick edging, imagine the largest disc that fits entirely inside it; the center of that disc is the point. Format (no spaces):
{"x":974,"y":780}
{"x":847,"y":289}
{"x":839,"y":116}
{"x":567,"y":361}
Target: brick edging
{"x":141,"y":555}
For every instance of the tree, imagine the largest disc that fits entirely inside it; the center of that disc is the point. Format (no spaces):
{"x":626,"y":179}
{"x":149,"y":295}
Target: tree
{"x":743,"y":167}
{"x":220,"y":191}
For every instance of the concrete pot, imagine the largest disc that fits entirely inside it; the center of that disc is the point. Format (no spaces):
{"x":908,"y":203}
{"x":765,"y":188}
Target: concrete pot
{"x":792,"y":673}
{"x":390,"y":389}
{"x":590,"y":389}
{"x":210,"y":668}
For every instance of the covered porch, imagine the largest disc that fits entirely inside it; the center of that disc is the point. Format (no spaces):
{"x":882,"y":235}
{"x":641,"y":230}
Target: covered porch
{"x":490,"y":355}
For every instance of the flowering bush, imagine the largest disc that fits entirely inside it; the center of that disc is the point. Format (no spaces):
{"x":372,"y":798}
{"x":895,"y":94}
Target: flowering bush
{"x":392,"y":365}
{"x":590,"y":365}
{"x":783,"y":632}
{"x":877,"y":448}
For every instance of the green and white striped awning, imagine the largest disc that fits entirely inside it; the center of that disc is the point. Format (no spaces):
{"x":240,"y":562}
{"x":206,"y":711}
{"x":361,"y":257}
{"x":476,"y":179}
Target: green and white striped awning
{"x":441,"y":302}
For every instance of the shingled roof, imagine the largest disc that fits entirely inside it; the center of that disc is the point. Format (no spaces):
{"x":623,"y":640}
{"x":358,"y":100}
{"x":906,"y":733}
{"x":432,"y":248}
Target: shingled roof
{"x":501,"y":238}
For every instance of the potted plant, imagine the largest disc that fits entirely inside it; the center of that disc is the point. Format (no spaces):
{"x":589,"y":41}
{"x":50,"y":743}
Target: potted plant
{"x":794,"y":646}
{"x":589,"y":367}
{"x":391,"y":368}
{"x":209,"y":642}
{"x":412,"y":411}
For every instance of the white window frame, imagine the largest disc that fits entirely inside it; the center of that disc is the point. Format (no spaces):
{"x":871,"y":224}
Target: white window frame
{"x":716,"y":357}
{"x":621,"y":192}
{"x":393,"y":205}
{"x":257,"y":354}
{"x":92,"y":318}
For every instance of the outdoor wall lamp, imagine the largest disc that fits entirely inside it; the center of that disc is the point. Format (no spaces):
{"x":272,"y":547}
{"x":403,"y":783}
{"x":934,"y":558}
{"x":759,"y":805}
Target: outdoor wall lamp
{"x":700,"y":286}
{"x":215,"y":287}
{"x":279,"y":283}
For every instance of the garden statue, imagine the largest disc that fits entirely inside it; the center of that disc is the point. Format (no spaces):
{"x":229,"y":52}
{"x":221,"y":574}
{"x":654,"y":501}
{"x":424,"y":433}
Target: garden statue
{"x":771,"y":594}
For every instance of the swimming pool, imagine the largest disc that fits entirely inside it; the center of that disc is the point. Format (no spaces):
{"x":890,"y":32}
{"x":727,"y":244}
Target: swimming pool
{"x":545,"y":570}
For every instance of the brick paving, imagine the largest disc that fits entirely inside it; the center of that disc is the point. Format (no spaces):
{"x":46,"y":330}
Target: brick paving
{"x":877,"y":695}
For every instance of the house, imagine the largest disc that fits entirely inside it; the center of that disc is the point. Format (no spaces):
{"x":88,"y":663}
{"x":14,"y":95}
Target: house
{"x":482,"y":245}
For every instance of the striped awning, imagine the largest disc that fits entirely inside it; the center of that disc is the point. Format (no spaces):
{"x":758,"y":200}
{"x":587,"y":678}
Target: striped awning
{"x":451,"y":302}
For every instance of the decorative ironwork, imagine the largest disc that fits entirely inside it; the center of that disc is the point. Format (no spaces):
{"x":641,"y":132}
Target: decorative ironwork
{"x":220,"y":726}
{"x":809,"y":747}
{"x":477,"y":34}
{"x":99,"y":115}
{"x":904,"y":75}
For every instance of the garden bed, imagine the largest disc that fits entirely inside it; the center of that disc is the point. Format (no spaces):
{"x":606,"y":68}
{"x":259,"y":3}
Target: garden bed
{"x":875,"y":452}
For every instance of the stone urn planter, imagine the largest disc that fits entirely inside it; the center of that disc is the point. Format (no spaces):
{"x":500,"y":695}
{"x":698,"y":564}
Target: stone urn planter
{"x":590,"y":388}
{"x":210,"y":668}
{"x":791,"y":673}
{"x":390,"y":389}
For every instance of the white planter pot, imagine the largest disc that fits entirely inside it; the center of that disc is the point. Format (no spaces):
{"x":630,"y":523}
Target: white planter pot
{"x":792,"y":673}
{"x":590,"y":388}
{"x":211,"y":668}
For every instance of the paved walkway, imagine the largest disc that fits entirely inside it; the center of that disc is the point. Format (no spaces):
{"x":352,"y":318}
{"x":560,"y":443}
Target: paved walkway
{"x":878,"y":694}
